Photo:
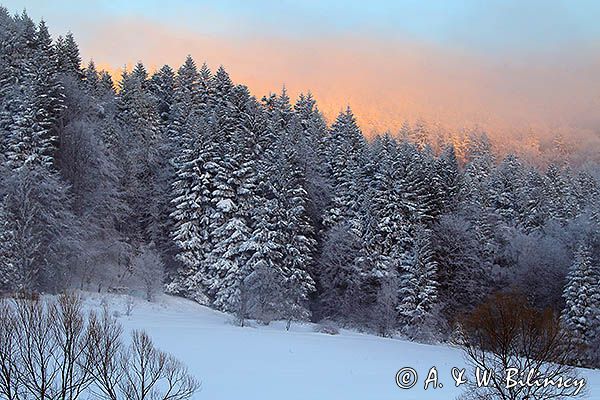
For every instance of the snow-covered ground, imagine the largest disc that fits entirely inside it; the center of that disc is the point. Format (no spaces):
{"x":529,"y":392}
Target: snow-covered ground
{"x":270,"y":363}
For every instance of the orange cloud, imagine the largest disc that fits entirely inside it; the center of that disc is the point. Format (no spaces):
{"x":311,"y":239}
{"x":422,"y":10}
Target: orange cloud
{"x":385,"y":81}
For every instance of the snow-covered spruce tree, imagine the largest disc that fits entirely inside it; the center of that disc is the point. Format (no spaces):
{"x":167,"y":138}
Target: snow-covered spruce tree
{"x":385,"y":231}
{"x":91,"y":78}
{"x":203,"y":190}
{"x":418,"y":286}
{"x":233,"y":225}
{"x":343,"y":257}
{"x":67,"y":53}
{"x":12,"y":49}
{"x":561,"y":201}
{"x":140,"y":127}
{"x":222,"y":114}
{"x":473,"y":192}
{"x":266,"y":277}
{"x":179,"y":123}
{"x":205,"y":88}
{"x":162,"y":87}
{"x":106,"y":86}
{"x":309,"y":134}
{"x":299,"y":238}
{"x":345,"y":155}
{"x":581,"y":315}
{"x":534,"y":213}
{"x":446,"y":166}
{"x":192,"y":207}
{"x":222,"y":224}
{"x":19,"y":45}
{"x":265,"y":280}
{"x":587,"y":189}
{"x":420,"y":187}
{"x":33,"y":106}
{"x":184,"y":110}
{"x":223,"y":122}
{"x":379,"y":275}
{"x":228,"y":260}
{"x":230,"y":233}
{"x":44,"y":233}
{"x":505,"y":189}
{"x":340,"y":276}
{"x":285,"y":184}
{"x":419,"y":135}
{"x":10,"y":276}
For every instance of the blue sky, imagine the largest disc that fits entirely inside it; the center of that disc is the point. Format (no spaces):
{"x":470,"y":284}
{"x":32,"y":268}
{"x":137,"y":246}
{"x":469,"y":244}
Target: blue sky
{"x":483,"y":26}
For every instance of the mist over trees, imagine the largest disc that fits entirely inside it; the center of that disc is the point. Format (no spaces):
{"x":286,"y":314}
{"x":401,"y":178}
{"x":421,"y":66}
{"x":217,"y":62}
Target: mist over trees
{"x":258,"y":207}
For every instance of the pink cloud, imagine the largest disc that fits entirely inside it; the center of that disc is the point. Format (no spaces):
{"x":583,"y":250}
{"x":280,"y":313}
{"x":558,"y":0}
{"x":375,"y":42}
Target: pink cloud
{"x":385,"y":81}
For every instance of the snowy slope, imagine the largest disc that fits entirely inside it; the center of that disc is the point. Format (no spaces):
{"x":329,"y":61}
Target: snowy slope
{"x":269,"y":363}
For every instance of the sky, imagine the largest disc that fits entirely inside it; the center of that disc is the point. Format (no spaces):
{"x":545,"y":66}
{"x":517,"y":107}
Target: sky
{"x":509,"y":66}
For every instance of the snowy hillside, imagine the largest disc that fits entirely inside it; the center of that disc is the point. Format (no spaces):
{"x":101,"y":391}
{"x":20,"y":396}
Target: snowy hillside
{"x":270,"y":363}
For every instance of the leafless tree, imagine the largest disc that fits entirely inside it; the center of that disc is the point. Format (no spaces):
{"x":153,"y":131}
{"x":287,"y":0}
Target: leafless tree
{"x":506,"y":333}
{"x":242,"y":306}
{"x":104,"y":354}
{"x":148,"y":271}
{"x":9,"y":386}
{"x":52,"y":350}
{"x":71,"y":341}
{"x":385,"y":316}
{"x":151,"y":374}
{"x":36,"y":351}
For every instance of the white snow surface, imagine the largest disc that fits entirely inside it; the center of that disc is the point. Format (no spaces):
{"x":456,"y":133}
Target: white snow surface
{"x":270,"y":363}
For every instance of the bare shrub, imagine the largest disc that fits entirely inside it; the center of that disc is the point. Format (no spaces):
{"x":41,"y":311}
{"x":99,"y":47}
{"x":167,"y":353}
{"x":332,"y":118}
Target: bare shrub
{"x":327,"y":326}
{"x":129,"y":305}
{"x":148,"y":272}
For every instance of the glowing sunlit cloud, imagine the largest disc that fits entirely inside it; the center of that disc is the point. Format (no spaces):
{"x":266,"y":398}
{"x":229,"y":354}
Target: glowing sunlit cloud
{"x":385,"y":81}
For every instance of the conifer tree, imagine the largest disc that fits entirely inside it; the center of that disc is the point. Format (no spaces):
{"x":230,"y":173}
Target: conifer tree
{"x":192,"y":210}
{"x":308,"y":133}
{"x":162,"y":87}
{"x":386,"y":226}
{"x":581,"y":315}
{"x":91,"y":78}
{"x":419,"y":135}
{"x":344,"y":154}
{"x":106,"y":85}
{"x":447,"y":170}
{"x":68,"y":58}
{"x":43,"y":236}
{"x":222,"y":113}
{"x":505,"y":189}
{"x":34,"y":106}
{"x":184,"y":112}
{"x":140,"y":140}
{"x":534,"y":213}
{"x":561,"y":201}
{"x":205,"y":88}
{"x":10,"y":279}
{"x":265,"y":279}
{"x":418,"y":284}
